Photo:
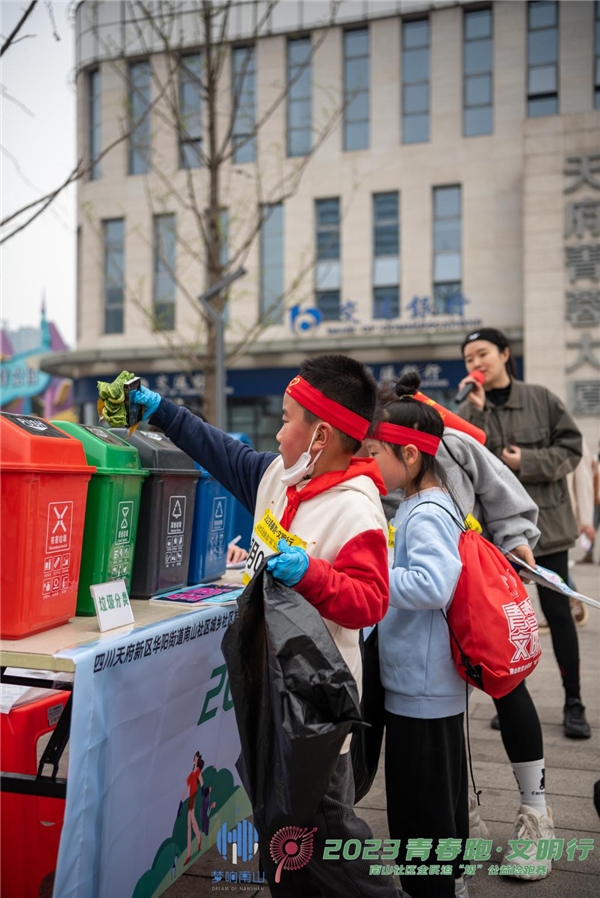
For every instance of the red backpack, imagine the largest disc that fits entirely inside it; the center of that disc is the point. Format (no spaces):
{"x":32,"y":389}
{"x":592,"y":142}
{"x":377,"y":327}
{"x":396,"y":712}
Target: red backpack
{"x":493,"y":629}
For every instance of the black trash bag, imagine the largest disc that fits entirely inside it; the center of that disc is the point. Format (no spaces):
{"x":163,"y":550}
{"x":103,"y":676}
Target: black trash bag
{"x":366,"y":742}
{"x":295,"y":701}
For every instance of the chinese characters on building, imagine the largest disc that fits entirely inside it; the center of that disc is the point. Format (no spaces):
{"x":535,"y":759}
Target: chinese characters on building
{"x":582,"y":261}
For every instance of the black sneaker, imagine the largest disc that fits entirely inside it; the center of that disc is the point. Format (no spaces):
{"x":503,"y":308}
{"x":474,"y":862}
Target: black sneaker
{"x":495,"y":723}
{"x":574,"y":721}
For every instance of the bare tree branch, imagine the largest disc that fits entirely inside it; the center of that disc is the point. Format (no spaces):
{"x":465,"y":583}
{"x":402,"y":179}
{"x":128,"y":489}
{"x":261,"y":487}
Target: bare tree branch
{"x":18,"y":103}
{"x":9,"y":40}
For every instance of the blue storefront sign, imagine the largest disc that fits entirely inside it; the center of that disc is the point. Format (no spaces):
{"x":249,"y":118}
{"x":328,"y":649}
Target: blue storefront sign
{"x":248,"y":382}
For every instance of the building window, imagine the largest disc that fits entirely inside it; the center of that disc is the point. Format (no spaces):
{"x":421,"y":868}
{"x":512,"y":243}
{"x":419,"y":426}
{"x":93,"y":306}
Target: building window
{"x":114,"y":275}
{"x":190,"y":112}
{"x":164,"y":273}
{"x":299,"y":136}
{"x":327,"y":274}
{"x":244,"y":102}
{"x":597,"y":60}
{"x":139,"y":118}
{"x":542,"y":58}
{"x":271,"y":265}
{"x":386,"y":256}
{"x":94,"y":122}
{"x":478,"y":66}
{"x":415,"y":81}
{"x":447,"y":251}
{"x":356,"y":89}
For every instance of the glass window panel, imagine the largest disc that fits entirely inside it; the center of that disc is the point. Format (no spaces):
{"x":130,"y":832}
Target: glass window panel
{"x":328,"y":305}
{"x":299,"y":114}
{"x":327,"y":275}
{"x":139,"y":100}
{"x":299,"y":143}
{"x":113,"y":321}
{"x":356,"y":136}
{"x":386,"y":271}
{"x":356,"y":43}
{"x":447,"y":202}
{"x":542,"y":15}
{"x":542,"y":46}
{"x":447,"y":298}
{"x":386,"y":241}
{"x":542,"y":79}
{"x":415,"y":128}
{"x":357,"y":109}
{"x":272,"y":265}
{"x":542,"y":106}
{"x":300,"y":89}
{"x":328,"y":244}
{"x":356,"y":74}
{"x":416,"y":98}
{"x":415,"y":34}
{"x":478,"y":120}
{"x":597,"y":99}
{"x":328,"y":212}
{"x":191,"y":154}
{"x":415,"y":66}
{"x":164,"y":316}
{"x":299,"y":51}
{"x":244,"y":151}
{"x":478,"y":24}
{"x":598,"y":70}
{"x":597,"y":27}
{"x":478,"y":57}
{"x":386,"y":302}
{"x":478,"y":90}
{"x":447,"y":235}
{"x":385,"y":206}
{"x":446,"y":266}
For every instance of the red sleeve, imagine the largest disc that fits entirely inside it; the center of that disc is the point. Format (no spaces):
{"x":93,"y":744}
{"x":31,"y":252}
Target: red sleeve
{"x":354,"y":591}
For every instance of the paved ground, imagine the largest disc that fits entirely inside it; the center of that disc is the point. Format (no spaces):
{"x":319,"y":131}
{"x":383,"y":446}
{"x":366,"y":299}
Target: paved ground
{"x":571,"y":770}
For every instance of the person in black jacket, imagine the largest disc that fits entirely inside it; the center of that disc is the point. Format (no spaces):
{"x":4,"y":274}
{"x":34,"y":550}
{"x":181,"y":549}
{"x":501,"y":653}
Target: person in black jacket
{"x":529,"y":428}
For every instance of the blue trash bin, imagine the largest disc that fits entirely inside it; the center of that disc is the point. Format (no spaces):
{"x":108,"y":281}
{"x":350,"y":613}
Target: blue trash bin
{"x":210,"y":530}
{"x":240,"y":519}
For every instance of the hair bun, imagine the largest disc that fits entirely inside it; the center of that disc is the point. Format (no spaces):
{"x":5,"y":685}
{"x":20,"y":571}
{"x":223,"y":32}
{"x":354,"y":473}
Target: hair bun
{"x":408,"y":384}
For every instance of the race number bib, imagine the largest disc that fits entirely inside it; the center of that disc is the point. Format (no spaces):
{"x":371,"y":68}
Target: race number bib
{"x":391,"y":535}
{"x":265,"y":537}
{"x":471,"y":523}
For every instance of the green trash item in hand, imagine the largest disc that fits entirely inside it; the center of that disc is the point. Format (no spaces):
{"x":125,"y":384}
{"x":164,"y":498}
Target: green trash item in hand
{"x":111,"y":405}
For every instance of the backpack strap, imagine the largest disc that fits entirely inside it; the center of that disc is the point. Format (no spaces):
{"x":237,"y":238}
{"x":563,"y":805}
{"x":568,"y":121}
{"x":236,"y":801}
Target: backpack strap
{"x":460,"y":524}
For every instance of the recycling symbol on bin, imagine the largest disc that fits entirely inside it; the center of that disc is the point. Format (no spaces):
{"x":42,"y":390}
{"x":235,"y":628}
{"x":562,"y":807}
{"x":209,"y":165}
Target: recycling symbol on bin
{"x":125,"y":516}
{"x":176,"y":514}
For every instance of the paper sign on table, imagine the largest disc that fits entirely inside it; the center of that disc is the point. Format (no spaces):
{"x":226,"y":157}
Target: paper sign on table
{"x":112,"y":604}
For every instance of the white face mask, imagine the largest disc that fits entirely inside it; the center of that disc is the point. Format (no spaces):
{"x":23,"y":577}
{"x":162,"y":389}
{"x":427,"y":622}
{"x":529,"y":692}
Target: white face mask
{"x":302,"y":468}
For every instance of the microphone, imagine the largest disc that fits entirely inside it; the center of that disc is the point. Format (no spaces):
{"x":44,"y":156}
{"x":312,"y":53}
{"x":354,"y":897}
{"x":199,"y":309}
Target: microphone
{"x":470,"y":386}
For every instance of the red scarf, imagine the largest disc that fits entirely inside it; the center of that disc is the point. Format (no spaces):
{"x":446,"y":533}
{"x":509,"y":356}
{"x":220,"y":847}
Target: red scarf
{"x":323,"y":482}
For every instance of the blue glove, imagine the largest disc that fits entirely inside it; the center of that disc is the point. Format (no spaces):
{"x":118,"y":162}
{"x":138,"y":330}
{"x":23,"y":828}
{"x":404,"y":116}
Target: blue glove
{"x":148,"y":399}
{"x":289,"y":567}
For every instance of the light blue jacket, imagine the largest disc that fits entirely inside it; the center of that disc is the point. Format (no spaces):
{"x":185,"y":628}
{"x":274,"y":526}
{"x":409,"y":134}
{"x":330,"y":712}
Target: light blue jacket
{"x":416,"y":664}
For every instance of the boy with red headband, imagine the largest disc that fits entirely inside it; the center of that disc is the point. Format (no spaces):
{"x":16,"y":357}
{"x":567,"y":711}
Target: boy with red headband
{"x":320,"y":509}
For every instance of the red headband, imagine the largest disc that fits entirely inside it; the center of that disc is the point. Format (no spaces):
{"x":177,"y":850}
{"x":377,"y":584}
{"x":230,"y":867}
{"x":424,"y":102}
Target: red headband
{"x":327,"y":409}
{"x":402,"y":436}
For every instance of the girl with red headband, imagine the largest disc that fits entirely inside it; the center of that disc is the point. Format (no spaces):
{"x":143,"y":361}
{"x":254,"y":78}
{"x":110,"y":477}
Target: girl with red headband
{"x":425,"y":760}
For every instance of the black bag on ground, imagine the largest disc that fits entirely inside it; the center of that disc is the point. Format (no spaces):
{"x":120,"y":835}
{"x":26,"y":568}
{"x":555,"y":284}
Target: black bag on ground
{"x":366,"y":742}
{"x":295,"y":701}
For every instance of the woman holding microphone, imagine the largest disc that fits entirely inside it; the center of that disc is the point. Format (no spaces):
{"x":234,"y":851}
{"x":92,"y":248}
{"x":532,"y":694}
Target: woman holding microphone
{"x":530,"y":430}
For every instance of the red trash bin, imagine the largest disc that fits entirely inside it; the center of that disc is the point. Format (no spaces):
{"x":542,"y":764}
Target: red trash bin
{"x":44,"y":476}
{"x":31,"y":825}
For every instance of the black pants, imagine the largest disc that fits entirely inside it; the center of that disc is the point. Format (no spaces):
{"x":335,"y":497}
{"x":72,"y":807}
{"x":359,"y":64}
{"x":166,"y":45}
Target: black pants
{"x":520,"y":726}
{"x":341,"y":878}
{"x":563,"y":630}
{"x":427,"y":792}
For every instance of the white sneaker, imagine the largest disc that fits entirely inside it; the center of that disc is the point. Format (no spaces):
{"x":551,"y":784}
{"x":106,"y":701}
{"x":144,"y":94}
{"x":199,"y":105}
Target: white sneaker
{"x":532,"y":825}
{"x":477,"y":828}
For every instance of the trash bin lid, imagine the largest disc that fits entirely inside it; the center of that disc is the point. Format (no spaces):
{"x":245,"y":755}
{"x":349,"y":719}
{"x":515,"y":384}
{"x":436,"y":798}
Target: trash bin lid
{"x":29,"y":443}
{"x":157,"y":452}
{"x":108,"y":452}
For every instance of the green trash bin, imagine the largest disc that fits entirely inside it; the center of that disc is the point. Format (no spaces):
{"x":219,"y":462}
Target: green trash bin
{"x":113,"y":506}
